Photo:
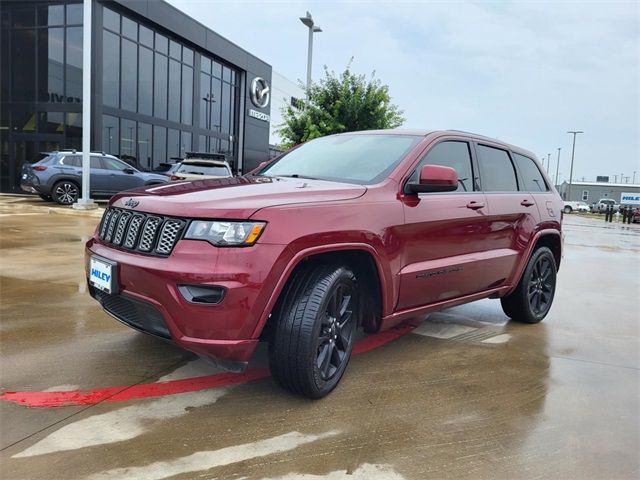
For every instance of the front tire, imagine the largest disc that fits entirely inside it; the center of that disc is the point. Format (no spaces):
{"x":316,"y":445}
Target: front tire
{"x":65,"y":192}
{"x":316,"y":321}
{"x":568,"y":209}
{"x":531,"y":300}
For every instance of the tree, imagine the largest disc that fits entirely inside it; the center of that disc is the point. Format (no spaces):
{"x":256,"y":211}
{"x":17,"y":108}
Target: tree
{"x":339,"y":103}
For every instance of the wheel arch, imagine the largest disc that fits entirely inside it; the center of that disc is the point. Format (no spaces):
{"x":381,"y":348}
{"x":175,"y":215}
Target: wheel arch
{"x":361,"y":258}
{"x":549,"y":238}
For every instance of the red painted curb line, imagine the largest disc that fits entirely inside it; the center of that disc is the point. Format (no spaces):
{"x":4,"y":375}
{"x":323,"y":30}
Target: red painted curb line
{"x":172,"y":387}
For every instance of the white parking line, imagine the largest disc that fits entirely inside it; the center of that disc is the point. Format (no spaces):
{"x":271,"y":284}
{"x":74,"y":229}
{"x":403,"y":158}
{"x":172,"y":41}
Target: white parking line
{"x":442,"y":330}
{"x":366,"y":471}
{"x":503,"y":338}
{"x":206,"y":460}
{"x":121,"y":424}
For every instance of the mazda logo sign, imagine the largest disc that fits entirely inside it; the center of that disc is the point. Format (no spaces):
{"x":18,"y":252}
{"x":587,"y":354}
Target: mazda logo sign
{"x":260,"y":92}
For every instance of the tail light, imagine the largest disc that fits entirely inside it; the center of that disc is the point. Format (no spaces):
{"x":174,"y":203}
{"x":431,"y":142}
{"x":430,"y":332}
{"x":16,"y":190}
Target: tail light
{"x":39,"y":168}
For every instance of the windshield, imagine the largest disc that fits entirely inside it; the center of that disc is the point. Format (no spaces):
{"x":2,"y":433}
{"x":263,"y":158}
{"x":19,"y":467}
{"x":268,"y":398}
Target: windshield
{"x":203,"y":169}
{"x":361,"y":159}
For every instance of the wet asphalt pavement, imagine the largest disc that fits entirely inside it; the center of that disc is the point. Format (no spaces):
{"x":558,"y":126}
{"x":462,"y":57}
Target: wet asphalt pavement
{"x":466,"y":394}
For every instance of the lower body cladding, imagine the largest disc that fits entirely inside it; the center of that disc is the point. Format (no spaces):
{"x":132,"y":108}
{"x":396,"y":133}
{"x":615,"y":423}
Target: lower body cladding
{"x":207,"y":300}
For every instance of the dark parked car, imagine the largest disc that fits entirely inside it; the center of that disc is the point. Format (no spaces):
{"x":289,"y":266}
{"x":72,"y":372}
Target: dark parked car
{"x":58,"y":176}
{"x":355,"y":230}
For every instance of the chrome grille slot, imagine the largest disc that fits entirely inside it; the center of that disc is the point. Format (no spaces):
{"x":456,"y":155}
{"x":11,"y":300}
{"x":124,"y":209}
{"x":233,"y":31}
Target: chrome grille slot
{"x":120,"y":229}
{"x":140,"y":232}
{"x":132,"y":232}
{"x":105,"y":223}
{"x":149,"y":234}
{"x":112,"y":225}
{"x":168,"y":235}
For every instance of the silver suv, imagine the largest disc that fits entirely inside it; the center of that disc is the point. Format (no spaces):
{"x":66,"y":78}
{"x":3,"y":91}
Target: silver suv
{"x":58,"y":176}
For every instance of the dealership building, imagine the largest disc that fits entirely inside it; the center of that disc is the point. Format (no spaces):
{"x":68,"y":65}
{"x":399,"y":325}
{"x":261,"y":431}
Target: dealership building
{"x":162,"y":85}
{"x":591,"y":192}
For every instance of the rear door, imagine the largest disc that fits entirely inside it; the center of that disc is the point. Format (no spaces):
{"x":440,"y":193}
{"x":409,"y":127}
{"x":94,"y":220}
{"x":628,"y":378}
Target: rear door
{"x":512,"y":214}
{"x":547,"y":201}
{"x":443,"y":234}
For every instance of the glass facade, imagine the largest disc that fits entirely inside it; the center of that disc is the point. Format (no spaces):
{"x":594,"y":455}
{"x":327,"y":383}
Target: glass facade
{"x":41,"y":91}
{"x":148,"y":85}
{"x":157,"y":96}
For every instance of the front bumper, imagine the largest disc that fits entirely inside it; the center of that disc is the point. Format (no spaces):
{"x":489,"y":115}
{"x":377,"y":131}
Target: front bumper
{"x":149,"y":299}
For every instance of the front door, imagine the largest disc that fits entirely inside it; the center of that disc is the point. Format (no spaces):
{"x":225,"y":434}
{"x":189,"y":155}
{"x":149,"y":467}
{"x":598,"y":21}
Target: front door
{"x":444,"y":233}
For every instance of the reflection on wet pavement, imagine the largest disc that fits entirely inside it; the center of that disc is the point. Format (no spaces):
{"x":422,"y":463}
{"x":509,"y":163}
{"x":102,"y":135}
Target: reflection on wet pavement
{"x":466,"y":395}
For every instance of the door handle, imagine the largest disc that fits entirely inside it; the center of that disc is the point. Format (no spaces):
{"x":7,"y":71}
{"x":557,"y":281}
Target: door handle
{"x":526,"y":203}
{"x":475,"y":205}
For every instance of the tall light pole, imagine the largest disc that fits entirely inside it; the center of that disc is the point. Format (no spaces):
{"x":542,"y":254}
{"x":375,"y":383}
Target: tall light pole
{"x":85,"y":202}
{"x":634,"y":177}
{"x":313,"y":28}
{"x":558,"y":166}
{"x":573,"y":151}
{"x":548,"y":162}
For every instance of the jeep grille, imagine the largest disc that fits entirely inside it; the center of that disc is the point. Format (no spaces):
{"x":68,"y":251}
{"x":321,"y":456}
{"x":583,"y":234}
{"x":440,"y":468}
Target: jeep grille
{"x":141,"y":232}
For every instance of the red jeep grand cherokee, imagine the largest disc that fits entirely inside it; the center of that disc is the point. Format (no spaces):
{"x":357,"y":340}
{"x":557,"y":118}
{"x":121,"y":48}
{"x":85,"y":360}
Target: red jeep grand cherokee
{"x":354,"y":230}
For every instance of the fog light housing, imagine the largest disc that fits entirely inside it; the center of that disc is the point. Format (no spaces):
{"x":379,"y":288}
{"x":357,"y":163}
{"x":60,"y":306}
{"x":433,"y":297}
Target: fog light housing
{"x":202,"y":294}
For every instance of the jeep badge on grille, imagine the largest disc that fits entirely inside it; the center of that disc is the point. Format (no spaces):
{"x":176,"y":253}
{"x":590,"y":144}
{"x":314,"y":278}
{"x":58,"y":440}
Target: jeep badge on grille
{"x":131,"y":203}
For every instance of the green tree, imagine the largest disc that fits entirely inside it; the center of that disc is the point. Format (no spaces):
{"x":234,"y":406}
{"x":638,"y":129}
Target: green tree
{"x":339,"y":103}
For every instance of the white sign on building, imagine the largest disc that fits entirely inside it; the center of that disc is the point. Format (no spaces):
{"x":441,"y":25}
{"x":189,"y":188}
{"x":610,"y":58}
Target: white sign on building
{"x":629,"y":198}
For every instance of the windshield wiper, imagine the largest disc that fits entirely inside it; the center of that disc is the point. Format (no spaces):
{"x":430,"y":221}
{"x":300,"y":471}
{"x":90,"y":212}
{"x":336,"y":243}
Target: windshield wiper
{"x":297,"y":175}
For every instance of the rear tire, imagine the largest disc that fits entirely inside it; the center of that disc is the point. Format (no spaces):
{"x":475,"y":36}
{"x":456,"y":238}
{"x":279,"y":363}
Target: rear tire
{"x":314,"y":331}
{"x":568,"y":209}
{"x":65,"y":192}
{"x":531,"y":300}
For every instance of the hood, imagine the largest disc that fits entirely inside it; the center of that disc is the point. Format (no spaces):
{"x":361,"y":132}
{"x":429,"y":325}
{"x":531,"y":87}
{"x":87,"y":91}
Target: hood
{"x":238,"y":197}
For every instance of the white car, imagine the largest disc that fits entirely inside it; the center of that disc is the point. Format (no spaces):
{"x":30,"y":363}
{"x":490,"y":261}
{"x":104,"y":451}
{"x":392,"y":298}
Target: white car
{"x":570,"y":207}
{"x":201,"y":167}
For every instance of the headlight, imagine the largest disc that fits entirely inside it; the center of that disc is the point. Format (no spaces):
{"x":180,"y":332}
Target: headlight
{"x":225,"y":233}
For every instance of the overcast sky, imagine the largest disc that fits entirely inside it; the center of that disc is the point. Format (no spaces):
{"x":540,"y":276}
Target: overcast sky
{"x":523,"y":72}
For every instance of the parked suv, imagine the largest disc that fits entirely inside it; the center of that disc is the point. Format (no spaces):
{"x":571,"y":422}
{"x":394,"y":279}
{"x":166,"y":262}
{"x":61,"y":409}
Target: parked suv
{"x":364,"y":229}
{"x":603,"y":204}
{"x":58,"y":176}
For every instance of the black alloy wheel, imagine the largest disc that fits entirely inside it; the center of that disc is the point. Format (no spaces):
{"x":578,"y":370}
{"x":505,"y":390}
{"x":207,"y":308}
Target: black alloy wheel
{"x":65,"y":192}
{"x":541,"y":286}
{"x":531,"y":300}
{"x":313,"y":329}
{"x":336,"y":332}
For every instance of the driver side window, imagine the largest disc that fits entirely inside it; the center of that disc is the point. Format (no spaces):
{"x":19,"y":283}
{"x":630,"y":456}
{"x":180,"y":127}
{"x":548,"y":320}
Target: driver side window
{"x":454,"y":154}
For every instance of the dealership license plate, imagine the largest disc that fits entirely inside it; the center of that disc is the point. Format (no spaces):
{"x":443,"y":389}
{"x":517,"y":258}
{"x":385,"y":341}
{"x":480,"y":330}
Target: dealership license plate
{"x":102,"y":275}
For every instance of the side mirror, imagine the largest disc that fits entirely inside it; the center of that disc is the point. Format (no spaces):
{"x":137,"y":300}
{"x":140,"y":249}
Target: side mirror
{"x":435,"y":178}
{"x":130,"y":171}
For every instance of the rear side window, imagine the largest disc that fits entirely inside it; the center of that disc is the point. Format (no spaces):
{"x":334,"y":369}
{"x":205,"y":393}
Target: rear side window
{"x":71,"y":161}
{"x":113,"y":164}
{"x":496,"y":169}
{"x":450,"y":154}
{"x":532,"y":179}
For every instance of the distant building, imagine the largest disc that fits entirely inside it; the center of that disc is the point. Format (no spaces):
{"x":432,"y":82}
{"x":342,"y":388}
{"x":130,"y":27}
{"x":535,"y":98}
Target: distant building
{"x":284,"y":93}
{"x":591,"y":192}
{"x":162,"y":84}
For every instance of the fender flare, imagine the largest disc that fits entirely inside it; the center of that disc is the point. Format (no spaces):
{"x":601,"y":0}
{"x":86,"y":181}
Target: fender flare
{"x":385,"y":277}
{"x":518,"y":272}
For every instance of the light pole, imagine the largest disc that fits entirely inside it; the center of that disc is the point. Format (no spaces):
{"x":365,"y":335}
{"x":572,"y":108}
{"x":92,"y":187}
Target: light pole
{"x":85,"y":202}
{"x":313,"y":28}
{"x":548,"y":162}
{"x":210,"y":100}
{"x":109,"y":133}
{"x":558,"y":165}
{"x":573,"y":151}
{"x":634,"y":177}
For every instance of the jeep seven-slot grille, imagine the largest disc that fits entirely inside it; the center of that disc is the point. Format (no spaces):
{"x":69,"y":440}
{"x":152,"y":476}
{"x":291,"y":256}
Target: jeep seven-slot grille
{"x":142,"y":232}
